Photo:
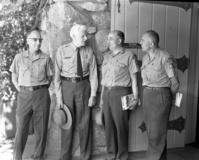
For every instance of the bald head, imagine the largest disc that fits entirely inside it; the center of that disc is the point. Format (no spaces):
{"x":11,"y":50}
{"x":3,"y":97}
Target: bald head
{"x":153,"y":35}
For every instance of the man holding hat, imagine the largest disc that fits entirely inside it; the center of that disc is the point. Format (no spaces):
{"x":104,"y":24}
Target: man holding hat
{"x":76,"y":85}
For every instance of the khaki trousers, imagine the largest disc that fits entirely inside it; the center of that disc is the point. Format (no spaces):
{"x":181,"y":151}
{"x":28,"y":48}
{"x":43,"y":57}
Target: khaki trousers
{"x":157,"y":107}
{"x":75,"y":97}
{"x":116,"y":122}
{"x":35,"y":104}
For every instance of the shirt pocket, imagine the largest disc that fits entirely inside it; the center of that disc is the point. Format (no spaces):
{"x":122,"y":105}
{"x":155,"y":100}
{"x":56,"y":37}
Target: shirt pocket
{"x":104,"y":68}
{"x":41,"y":72}
{"x":119,"y":67}
{"x":85,"y":64}
{"x":157,"y":72}
{"x":67,"y":64}
{"x":24,"y":71}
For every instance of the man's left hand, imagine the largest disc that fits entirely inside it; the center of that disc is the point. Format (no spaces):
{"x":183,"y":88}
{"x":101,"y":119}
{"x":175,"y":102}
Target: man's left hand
{"x":92,"y":101}
{"x":133,"y":104}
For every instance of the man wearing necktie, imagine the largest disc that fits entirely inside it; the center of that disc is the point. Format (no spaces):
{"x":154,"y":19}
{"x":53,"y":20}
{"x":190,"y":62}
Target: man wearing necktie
{"x":76,"y":85}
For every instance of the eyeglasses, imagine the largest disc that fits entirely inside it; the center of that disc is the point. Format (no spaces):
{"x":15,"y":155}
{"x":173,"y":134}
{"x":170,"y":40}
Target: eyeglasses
{"x":36,"y":39}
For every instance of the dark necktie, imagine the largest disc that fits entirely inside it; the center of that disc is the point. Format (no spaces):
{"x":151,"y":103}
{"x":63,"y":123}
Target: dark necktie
{"x":79,"y":64}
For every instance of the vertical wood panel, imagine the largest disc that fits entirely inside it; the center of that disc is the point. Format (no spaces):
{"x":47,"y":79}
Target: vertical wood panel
{"x":171,"y":42}
{"x":131,"y":23}
{"x":182,"y":50}
{"x":120,"y":16}
{"x":131,"y":36}
{"x":113,"y":8}
{"x":192,"y":89}
{"x":158,"y":24}
{"x":145,"y":22}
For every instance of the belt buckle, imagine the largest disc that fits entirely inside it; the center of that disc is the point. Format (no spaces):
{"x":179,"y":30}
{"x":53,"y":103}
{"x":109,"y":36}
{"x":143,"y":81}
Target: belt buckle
{"x":31,"y":89}
{"x":74,"y":80}
{"x":109,"y":87}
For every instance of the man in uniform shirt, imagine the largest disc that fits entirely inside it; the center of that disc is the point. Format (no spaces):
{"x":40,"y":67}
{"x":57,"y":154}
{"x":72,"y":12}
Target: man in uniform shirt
{"x":32,"y":72}
{"x":76,"y":85}
{"x":119,"y":78}
{"x":160,"y":81}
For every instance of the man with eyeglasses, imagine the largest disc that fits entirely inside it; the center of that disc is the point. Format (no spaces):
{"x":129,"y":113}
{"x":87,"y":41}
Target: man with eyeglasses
{"x":76,"y":85}
{"x":32,"y":72}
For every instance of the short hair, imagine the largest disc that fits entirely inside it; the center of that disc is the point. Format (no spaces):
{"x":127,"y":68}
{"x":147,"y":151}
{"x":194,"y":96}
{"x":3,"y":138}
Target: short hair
{"x":120,"y":34}
{"x":76,"y":28}
{"x":34,"y":29}
{"x":154,"y":36}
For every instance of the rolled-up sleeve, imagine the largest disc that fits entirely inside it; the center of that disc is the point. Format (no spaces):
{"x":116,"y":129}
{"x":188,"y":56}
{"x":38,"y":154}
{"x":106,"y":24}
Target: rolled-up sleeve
{"x":133,"y":64}
{"x":93,"y":75}
{"x":14,"y":68}
{"x":50,"y":67}
{"x":58,"y":89}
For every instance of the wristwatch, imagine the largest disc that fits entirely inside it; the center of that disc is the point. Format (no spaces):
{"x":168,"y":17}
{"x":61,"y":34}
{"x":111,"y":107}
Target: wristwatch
{"x":135,"y":99}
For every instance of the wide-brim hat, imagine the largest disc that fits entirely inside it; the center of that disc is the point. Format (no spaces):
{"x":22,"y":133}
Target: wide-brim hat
{"x":99,"y":118}
{"x":63,"y":117}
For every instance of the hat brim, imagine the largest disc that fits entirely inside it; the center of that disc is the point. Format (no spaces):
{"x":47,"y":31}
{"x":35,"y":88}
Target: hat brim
{"x":68,"y":124}
{"x":99,"y":118}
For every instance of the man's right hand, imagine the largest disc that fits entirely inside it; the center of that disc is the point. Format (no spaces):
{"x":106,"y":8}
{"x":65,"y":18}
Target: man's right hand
{"x":60,"y":103}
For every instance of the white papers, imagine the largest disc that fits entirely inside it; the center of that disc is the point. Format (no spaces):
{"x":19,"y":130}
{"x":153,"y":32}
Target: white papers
{"x":178,"y":99}
{"x":127,"y":101}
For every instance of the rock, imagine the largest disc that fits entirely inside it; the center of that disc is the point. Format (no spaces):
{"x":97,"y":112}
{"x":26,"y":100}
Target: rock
{"x":99,"y":1}
{"x":62,"y":14}
{"x":102,"y":20}
{"x":91,"y":30}
{"x":101,"y":40}
{"x":90,"y":6}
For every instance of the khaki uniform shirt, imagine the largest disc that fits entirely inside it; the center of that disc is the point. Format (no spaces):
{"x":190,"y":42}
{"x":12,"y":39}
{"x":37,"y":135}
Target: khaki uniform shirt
{"x":118,"y":69}
{"x":66,"y":66}
{"x":32,"y":72}
{"x":156,"y":72}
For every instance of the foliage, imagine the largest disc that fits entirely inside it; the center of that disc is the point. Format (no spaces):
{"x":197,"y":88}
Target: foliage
{"x":15,"y":22}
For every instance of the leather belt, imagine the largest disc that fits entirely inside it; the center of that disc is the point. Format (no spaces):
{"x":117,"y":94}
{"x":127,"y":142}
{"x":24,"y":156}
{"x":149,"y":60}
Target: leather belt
{"x":116,"y":87}
{"x":156,"y":88}
{"x":32,"y":88}
{"x":74,"y":79}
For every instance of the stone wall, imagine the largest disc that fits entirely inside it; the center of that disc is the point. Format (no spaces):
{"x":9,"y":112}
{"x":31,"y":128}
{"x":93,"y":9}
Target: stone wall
{"x":55,"y":24}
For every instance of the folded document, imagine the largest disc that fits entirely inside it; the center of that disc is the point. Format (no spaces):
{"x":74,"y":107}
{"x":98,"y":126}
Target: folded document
{"x":127,"y":101}
{"x":178,"y":99}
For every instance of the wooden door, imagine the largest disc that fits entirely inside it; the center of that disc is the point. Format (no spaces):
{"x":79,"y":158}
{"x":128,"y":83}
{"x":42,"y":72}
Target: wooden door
{"x":173,"y":26}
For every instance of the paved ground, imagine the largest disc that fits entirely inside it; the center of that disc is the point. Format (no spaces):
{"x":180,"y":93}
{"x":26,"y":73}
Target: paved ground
{"x":6,"y":150}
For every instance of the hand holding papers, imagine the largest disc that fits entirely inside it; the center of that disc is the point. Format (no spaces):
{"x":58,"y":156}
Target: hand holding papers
{"x":178,"y":99}
{"x":128,"y":102}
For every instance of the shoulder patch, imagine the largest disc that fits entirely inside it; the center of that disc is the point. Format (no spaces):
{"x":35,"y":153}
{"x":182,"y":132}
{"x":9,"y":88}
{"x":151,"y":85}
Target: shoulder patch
{"x":172,"y":63}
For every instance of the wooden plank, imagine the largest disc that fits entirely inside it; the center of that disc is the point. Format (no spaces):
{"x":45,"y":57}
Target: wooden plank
{"x":145,"y":22}
{"x":158,"y":24}
{"x":192,"y":89}
{"x":171,"y":42}
{"x":131,"y":32}
{"x":184,"y":25}
{"x":119,"y":16}
{"x":113,"y":8}
{"x":131,"y":23}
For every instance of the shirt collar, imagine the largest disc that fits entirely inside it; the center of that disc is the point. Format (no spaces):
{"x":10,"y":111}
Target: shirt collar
{"x":156,"y":54}
{"x":73,"y":46}
{"x":119,"y":51}
{"x":38,"y":55}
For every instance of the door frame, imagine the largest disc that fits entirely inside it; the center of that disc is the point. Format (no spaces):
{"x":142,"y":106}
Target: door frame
{"x":192,"y":96}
